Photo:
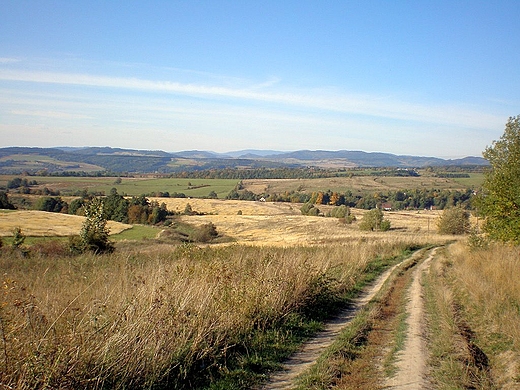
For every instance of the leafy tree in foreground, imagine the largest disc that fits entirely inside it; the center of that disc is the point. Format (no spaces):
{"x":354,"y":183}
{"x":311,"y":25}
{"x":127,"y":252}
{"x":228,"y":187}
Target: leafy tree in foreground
{"x":500,"y":203}
{"x":454,"y":220}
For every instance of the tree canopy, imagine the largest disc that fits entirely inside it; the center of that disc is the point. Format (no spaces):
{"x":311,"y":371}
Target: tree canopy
{"x":500,"y":202}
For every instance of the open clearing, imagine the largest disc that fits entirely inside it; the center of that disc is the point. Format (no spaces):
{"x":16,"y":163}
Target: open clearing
{"x":282,"y":225}
{"x":267,"y":223}
{"x":357,"y":184}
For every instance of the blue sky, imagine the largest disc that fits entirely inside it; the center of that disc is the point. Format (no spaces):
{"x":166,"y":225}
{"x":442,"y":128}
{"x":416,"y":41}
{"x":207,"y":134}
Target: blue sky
{"x":432,"y":78}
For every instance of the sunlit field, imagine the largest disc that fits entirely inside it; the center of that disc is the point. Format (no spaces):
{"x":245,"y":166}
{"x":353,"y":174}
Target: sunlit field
{"x":44,"y":224}
{"x":259,"y":223}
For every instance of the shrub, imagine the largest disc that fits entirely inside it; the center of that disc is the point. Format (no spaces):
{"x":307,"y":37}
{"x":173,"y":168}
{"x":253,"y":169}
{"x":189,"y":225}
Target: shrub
{"x":94,"y":232}
{"x":204,"y":233}
{"x":18,"y":238}
{"x":50,"y":204}
{"x":454,"y":220}
{"x":4,"y":201}
{"x":342,"y":212}
{"x":309,"y":209}
{"x":373,"y":220}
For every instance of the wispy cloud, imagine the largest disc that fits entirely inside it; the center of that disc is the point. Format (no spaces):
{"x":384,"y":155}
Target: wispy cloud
{"x":325,"y":100}
{"x":8,"y":60}
{"x":49,"y":114}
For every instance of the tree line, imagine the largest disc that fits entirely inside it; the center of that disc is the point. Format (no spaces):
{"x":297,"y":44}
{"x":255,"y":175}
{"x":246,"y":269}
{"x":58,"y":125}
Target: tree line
{"x":397,"y":200}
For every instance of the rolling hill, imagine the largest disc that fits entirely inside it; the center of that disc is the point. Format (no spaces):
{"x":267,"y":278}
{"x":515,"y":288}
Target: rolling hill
{"x":15,"y":160}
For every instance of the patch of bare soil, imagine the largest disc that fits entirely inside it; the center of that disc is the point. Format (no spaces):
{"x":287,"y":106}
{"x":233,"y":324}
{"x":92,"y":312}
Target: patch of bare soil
{"x":411,"y":364}
{"x":311,"y":350}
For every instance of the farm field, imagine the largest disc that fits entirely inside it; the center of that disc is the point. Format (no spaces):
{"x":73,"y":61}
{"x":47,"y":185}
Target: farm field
{"x":267,"y":223}
{"x":44,"y":224}
{"x":133,"y":186}
{"x":202,"y":187}
{"x":360,"y":184}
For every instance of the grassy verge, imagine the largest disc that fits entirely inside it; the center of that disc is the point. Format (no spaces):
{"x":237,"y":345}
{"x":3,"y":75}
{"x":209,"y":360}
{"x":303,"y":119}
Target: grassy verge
{"x":473,"y":302}
{"x":184,"y":318}
{"x":447,"y":349}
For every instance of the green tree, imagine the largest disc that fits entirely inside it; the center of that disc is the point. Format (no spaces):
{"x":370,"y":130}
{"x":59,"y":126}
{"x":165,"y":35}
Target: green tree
{"x":309,"y":209}
{"x":454,"y":220}
{"x":115,"y":207}
{"x":76,"y":205}
{"x":158,"y":214}
{"x":94,"y":232}
{"x":373,"y":220}
{"x":4,"y":201}
{"x":188,"y":210}
{"x":500,"y":201}
{"x":50,"y":204}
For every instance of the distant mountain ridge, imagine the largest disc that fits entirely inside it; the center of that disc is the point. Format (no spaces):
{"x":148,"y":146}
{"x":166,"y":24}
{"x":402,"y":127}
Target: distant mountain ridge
{"x":57,"y":159}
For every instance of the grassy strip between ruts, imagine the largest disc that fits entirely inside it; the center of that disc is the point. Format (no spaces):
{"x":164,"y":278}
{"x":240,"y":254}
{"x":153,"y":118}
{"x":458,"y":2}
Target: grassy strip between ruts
{"x":360,"y":358}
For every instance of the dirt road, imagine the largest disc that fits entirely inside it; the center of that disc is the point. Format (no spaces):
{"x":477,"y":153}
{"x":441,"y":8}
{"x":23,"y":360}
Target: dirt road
{"x":302,"y":360}
{"x":411,"y":363}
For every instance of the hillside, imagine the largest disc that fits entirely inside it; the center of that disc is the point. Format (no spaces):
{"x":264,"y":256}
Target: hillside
{"x":15,"y":160}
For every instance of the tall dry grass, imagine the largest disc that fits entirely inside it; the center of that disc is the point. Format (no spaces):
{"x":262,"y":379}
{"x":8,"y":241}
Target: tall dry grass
{"x":487,"y":283}
{"x":132,"y":320}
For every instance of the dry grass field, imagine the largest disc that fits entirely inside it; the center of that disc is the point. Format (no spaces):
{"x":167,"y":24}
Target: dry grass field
{"x":41,"y":223}
{"x":260,"y":223}
{"x":180,"y":316}
{"x":266,"y":223}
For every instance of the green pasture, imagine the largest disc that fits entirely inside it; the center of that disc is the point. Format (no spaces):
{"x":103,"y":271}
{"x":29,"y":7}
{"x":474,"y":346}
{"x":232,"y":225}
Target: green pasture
{"x":137,"y":232}
{"x":474,"y":181}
